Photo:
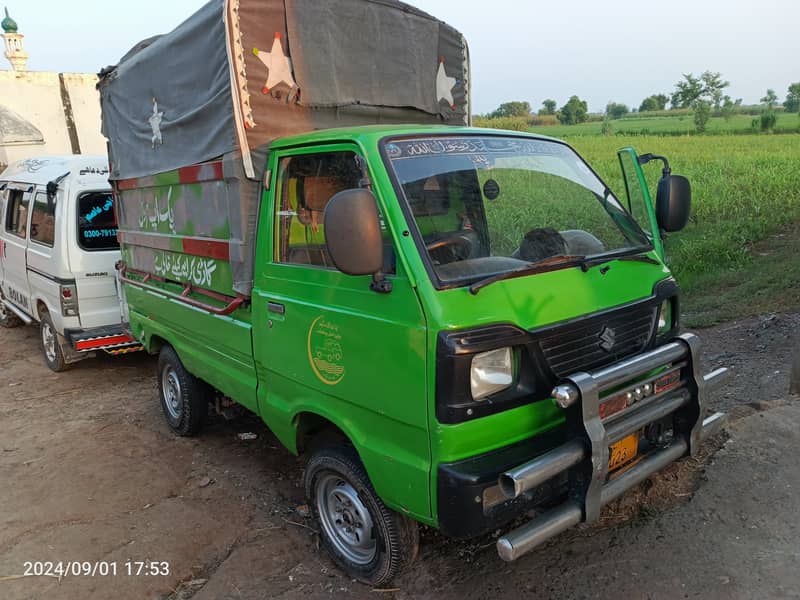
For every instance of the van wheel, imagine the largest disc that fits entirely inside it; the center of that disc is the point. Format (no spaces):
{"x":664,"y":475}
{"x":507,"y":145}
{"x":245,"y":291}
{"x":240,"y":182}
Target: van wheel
{"x":8,"y":319}
{"x":367,"y":540}
{"x":53,"y":355}
{"x":184,"y":398}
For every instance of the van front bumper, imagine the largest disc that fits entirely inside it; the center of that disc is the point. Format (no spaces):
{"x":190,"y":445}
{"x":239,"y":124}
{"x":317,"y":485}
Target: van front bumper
{"x":565,"y":475}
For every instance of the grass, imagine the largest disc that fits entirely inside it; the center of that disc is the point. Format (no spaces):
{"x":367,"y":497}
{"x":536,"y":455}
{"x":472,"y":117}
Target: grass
{"x":682,"y":124}
{"x":770,"y":282}
{"x":746,"y":189}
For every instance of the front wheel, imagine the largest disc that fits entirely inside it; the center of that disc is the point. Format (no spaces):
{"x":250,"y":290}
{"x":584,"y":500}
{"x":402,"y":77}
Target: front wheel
{"x":184,"y":398}
{"x":367,"y":540}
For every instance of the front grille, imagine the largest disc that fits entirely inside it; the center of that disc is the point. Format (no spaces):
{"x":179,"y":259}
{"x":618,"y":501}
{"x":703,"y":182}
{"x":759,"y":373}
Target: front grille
{"x":597,"y":342}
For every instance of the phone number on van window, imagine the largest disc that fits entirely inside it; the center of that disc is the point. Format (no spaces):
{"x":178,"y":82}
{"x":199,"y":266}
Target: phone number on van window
{"x":70,"y":568}
{"x":100,"y":233}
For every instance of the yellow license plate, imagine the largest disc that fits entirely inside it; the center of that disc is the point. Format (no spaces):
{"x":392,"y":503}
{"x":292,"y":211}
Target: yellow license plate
{"x":623,"y":452}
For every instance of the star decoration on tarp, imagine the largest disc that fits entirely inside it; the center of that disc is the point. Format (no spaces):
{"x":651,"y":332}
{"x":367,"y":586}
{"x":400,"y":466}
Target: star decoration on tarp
{"x":279,"y":68}
{"x":445,"y":86}
{"x":155,"y":124}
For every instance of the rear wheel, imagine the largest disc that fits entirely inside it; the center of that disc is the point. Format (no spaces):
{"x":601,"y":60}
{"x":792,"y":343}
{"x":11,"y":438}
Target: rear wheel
{"x":51,"y":348}
{"x":7,"y":318}
{"x":184,"y":398}
{"x":367,"y":540}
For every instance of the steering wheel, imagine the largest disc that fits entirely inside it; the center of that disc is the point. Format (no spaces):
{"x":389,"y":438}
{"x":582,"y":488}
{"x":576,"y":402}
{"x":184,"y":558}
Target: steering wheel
{"x":461,"y":246}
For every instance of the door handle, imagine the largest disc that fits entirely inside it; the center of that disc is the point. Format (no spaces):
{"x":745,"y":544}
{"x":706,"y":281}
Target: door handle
{"x":278,"y":309}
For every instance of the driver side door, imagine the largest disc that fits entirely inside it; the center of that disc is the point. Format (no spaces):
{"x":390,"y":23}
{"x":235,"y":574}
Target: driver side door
{"x":325,"y":343}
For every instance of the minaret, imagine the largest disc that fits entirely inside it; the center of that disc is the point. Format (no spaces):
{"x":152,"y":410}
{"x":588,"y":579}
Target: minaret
{"x":15,"y":52}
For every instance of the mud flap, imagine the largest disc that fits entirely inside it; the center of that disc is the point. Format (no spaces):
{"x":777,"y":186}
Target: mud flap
{"x":71,"y":356}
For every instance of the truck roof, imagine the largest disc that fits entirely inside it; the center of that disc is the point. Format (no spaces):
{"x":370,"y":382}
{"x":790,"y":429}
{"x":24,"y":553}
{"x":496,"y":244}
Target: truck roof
{"x":43,"y":169}
{"x":374,"y":133}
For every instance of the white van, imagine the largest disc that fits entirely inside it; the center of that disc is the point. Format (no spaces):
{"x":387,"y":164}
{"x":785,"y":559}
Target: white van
{"x":58,"y":248}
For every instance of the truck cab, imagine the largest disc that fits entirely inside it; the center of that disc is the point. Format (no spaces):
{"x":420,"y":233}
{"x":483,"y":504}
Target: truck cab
{"x":58,"y":247}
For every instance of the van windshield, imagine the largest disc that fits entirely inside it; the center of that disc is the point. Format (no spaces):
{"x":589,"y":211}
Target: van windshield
{"x":487,"y":205}
{"x":97,"y":223}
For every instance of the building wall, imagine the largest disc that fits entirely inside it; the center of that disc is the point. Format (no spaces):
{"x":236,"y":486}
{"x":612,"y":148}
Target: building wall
{"x":36,"y":96}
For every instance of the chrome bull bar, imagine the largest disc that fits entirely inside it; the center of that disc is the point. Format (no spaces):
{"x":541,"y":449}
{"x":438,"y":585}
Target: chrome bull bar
{"x":588,"y":451}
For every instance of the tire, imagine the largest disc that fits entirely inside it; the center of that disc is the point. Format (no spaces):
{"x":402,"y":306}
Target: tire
{"x":184,"y":398}
{"x":51,"y":348}
{"x":8,"y":319}
{"x":367,"y":540}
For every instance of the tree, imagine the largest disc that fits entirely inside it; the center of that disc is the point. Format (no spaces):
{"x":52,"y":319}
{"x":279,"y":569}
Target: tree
{"x":713,"y":86}
{"x":702,"y":112}
{"x":771,"y":99}
{"x":730,"y":107}
{"x":654,"y":102}
{"x":515,"y":108}
{"x":548,"y":107}
{"x":687,"y":91}
{"x":574,"y":111}
{"x":707,"y":87}
{"x":792,"y":103}
{"x":615,"y":110}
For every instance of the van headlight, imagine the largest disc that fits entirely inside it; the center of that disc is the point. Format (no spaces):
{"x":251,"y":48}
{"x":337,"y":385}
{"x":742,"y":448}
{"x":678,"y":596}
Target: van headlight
{"x":491,"y":372}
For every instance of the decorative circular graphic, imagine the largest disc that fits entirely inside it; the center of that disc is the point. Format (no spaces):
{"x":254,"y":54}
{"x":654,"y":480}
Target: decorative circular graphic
{"x":491,"y":189}
{"x":325,"y":353}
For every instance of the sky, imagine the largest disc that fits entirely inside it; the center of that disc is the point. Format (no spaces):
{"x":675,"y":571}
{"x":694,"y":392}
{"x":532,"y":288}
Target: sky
{"x":603,"y":51}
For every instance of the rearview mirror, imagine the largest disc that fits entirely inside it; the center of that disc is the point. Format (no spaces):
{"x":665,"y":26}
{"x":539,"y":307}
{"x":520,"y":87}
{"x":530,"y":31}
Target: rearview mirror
{"x":353,"y":232}
{"x":673,"y":203}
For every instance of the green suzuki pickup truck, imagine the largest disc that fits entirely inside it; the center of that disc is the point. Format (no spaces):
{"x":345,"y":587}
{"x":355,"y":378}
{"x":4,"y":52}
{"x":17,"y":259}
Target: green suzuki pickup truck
{"x":458,"y":325}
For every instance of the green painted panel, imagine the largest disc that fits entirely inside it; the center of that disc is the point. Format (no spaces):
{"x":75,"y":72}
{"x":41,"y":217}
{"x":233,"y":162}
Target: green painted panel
{"x":217,"y":349}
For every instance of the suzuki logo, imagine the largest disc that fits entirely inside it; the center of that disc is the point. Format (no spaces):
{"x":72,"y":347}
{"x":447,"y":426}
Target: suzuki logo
{"x":608,"y":337}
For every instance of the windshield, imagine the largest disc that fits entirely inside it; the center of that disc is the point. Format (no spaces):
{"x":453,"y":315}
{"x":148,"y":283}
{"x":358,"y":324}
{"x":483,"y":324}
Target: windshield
{"x":486,"y":205}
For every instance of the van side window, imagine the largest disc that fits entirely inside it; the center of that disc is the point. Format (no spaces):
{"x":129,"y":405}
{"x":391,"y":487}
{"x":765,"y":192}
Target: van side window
{"x":306,"y":184}
{"x":17,"y":213}
{"x":97,"y":222}
{"x":43,"y":220}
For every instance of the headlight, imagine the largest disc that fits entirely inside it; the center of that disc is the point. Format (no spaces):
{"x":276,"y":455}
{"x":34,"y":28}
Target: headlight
{"x":665,"y":317}
{"x":491,"y":372}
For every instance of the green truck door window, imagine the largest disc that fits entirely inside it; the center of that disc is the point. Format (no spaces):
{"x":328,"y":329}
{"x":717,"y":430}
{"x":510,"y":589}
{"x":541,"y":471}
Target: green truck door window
{"x":307,"y":183}
{"x":640,"y":204}
{"x":325,"y":343}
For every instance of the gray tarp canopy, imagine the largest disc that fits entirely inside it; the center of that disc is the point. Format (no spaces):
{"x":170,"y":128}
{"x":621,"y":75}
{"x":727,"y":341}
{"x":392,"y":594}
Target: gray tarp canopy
{"x":240,"y":73}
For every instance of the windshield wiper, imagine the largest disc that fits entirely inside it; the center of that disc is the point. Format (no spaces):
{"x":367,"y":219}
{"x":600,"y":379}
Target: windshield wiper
{"x":629,"y":257}
{"x":556,"y":263}
{"x":551,"y":263}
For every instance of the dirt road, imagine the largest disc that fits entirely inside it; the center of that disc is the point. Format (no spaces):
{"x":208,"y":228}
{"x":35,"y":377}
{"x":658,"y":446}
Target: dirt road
{"x":89,"y":472}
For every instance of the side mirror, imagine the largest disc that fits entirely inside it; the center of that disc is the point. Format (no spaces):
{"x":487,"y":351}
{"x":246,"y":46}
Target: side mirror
{"x":353,"y":232}
{"x":673,"y":203}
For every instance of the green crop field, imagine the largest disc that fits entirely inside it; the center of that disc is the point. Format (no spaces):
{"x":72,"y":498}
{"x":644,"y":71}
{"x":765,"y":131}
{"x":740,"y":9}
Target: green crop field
{"x":682,"y":124}
{"x":746,"y":194}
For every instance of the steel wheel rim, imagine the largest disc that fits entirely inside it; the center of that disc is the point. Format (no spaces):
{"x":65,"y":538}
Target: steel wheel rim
{"x":49,"y":342}
{"x":171,"y":391}
{"x":345,"y":520}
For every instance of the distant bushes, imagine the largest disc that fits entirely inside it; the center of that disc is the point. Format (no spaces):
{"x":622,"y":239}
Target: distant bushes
{"x":515,"y":123}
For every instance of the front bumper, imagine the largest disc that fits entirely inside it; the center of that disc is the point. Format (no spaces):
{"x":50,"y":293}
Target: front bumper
{"x":563,"y":474}
{"x":584,"y":457}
